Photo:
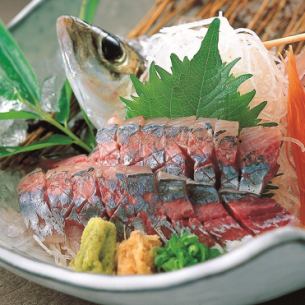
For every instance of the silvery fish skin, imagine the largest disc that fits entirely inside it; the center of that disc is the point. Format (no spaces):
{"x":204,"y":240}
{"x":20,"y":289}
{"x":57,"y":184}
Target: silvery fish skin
{"x":97,"y":65}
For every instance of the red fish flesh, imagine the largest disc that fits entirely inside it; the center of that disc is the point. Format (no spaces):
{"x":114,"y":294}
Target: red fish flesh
{"x":258,"y":152}
{"x":161,"y":176}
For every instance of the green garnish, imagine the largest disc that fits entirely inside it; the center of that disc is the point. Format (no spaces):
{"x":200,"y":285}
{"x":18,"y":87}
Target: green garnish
{"x":181,"y":251}
{"x":202,"y":86}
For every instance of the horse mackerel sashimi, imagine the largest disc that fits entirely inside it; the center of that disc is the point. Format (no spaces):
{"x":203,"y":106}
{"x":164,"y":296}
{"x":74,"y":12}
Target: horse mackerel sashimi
{"x":152,"y":199}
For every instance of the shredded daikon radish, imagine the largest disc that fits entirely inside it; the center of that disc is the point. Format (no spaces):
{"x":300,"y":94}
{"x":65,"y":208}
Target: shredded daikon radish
{"x":61,"y":254}
{"x":295,"y":141}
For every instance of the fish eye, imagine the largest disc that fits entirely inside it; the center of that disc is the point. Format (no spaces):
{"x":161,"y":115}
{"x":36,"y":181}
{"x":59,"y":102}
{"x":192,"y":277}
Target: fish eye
{"x":112,"y":49}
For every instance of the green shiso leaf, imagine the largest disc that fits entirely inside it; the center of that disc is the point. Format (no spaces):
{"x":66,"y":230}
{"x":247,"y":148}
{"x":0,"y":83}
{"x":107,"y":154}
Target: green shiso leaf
{"x":203,"y":86}
{"x":16,"y":67}
{"x":53,"y":140}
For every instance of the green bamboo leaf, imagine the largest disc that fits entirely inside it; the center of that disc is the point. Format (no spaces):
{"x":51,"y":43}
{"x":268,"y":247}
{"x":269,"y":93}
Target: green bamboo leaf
{"x":53,"y":140}
{"x":63,"y":114}
{"x":90,"y":134}
{"x":18,"y":115}
{"x":17,"y":68}
{"x":89,"y":139}
{"x":88,"y":10}
{"x":8,"y":88}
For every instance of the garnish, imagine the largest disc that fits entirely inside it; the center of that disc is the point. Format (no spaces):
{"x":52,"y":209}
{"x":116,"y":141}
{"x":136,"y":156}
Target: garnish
{"x":181,"y":251}
{"x":135,"y":255}
{"x":18,"y":82}
{"x":97,"y":249}
{"x":202,"y":86}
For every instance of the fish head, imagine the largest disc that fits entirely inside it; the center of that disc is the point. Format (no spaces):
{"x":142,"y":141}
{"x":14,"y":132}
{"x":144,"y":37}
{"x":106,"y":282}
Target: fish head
{"x":97,"y":65}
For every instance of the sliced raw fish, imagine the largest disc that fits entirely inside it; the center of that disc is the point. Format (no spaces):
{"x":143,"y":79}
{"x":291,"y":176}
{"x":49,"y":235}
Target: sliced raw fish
{"x":177,"y":161}
{"x":79,"y":159}
{"x":259,"y":214}
{"x":178,"y":174}
{"x":172,"y":193}
{"x":258,"y":152}
{"x":86,"y":196}
{"x":153,"y":143}
{"x":59,"y":190}
{"x":203,"y":197}
{"x":34,"y":207}
{"x":225,"y":142}
{"x":137,"y":182}
{"x":200,"y":149}
{"x":111,"y":187}
{"x":109,"y":150}
{"x":129,"y":138}
{"x":226,"y":230}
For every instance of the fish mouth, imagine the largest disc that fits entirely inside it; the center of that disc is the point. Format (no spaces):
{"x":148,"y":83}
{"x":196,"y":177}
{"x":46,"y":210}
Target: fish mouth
{"x":76,"y":36}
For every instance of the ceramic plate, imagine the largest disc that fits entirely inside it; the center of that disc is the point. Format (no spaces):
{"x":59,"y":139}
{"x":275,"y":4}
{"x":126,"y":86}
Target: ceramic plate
{"x":266,"y":267}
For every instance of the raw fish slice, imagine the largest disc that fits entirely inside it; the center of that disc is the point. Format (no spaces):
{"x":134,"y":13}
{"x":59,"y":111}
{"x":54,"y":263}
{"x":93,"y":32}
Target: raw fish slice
{"x":259,"y":214}
{"x":200,"y":149}
{"x":59,"y":190}
{"x":172,"y":193}
{"x":205,"y":200}
{"x":228,"y":196}
{"x":111,"y":187}
{"x":183,"y":127}
{"x":95,"y":155}
{"x":153,"y":143}
{"x":109,"y":150}
{"x":176,"y":143}
{"x":227,"y":231}
{"x":225,"y":142}
{"x":73,"y":227}
{"x":258,"y":153}
{"x":86,"y":197}
{"x":158,"y":223}
{"x":35,"y":209}
{"x":66,"y":197}
{"x":170,"y":205}
{"x":148,"y":223}
{"x":129,"y":138}
{"x":138,"y":184}
{"x":214,"y":217}
{"x":51,"y":164}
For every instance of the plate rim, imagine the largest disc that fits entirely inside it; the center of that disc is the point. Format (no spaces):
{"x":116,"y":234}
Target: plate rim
{"x":97,"y":282}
